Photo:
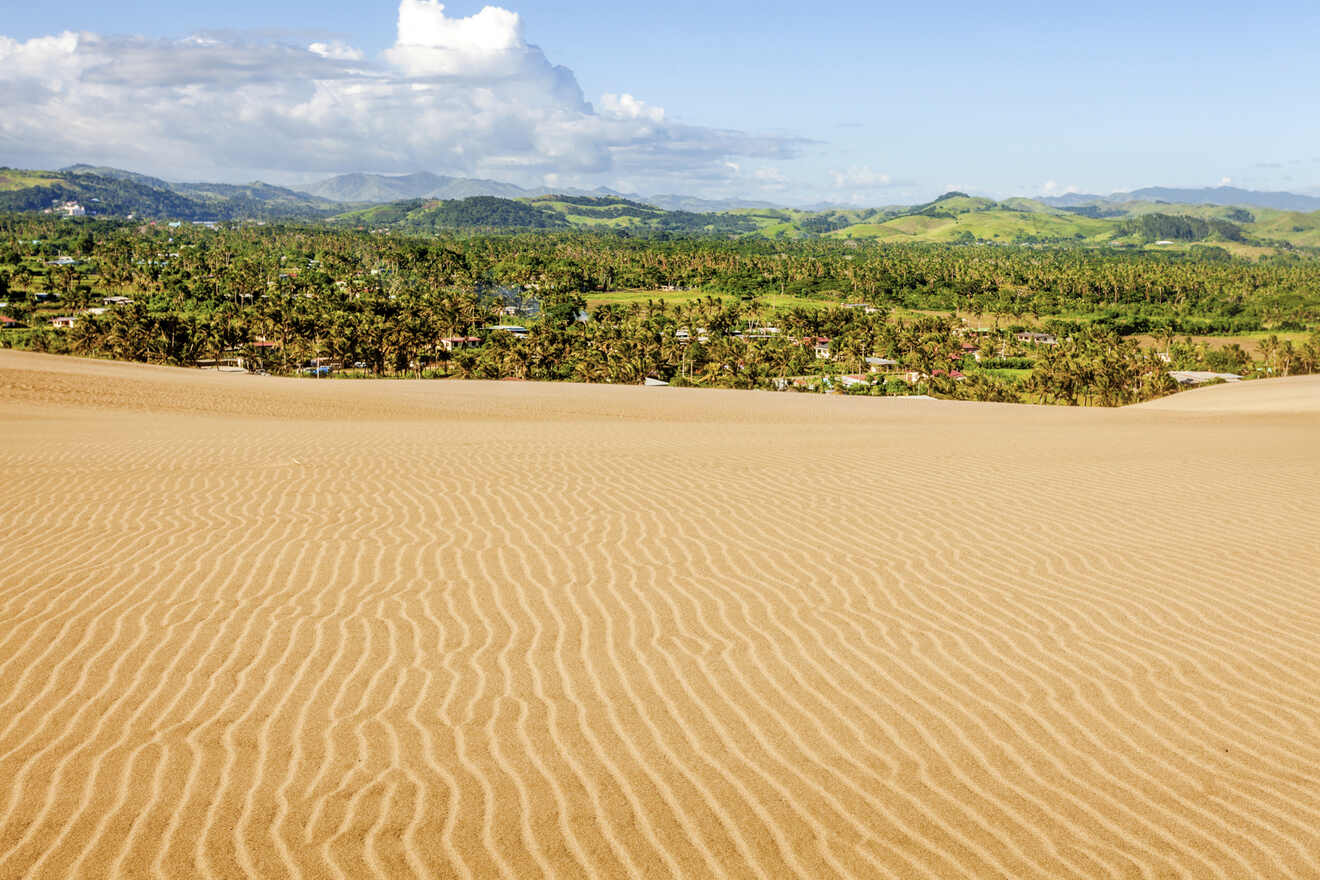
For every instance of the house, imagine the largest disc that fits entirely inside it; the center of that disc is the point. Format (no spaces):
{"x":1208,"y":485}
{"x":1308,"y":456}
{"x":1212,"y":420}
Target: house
{"x":972,"y":350}
{"x":453,"y":343}
{"x":1200,"y":377}
{"x":955,"y":375}
{"x":64,"y":321}
{"x":850,"y":380}
{"x":881,"y":365}
{"x":1038,"y":338}
{"x":759,"y":333}
{"x":822,"y":346}
{"x":684,"y":336}
{"x":515,"y":329}
{"x":62,"y":261}
{"x":805,"y":383}
{"x":116,"y":301}
{"x":8,"y":323}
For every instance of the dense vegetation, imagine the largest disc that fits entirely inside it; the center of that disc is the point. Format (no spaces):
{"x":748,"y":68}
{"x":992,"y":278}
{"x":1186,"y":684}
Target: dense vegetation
{"x":1154,"y":227}
{"x":480,"y":212}
{"x":110,"y":192}
{"x":286,"y":298}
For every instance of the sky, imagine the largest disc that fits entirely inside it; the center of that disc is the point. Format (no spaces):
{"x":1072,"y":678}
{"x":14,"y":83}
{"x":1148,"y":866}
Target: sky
{"x":847,"y":102}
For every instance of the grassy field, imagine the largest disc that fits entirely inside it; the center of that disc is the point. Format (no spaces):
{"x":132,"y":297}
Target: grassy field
{"x":12,"y":179}
{"x":1250,"y":342}
{"x":1012,"y":375}
{"x":995,"y":224}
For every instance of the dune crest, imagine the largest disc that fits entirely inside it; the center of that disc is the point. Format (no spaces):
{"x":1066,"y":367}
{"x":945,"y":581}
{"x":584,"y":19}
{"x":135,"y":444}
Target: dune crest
{"x":253,"y":627}
{"x":1292,"y":395}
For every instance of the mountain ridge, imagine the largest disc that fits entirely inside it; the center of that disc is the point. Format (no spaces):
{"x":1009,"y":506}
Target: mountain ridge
{"x":1226,"y":196}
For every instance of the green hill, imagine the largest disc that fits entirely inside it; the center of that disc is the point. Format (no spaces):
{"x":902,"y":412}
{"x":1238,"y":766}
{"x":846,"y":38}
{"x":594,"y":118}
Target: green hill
{"x":953,"y":218}
{"x":110,"y":191}
{"x":477,"y":212}
{"x":956,"y":217}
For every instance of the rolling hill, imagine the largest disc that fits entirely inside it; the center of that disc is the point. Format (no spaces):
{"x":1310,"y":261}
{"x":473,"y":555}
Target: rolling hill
{"x":1220,"y":195}
{"x":113,"y":191}
{"x":466,"y":203}
{"x":375,"y":188}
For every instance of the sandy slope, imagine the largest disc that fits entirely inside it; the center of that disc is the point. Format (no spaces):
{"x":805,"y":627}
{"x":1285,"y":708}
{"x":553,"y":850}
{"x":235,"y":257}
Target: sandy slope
{"x":1298,"y":395}
{"x":266,"y":628}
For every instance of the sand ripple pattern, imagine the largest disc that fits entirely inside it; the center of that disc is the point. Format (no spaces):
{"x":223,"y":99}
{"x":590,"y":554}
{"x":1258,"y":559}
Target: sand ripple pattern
{"x":255,"y":628}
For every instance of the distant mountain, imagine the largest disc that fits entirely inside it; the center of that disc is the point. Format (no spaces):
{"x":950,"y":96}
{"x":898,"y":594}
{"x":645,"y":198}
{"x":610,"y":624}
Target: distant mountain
{"x":1078,"y":200}
{"x":1227,"y":218}
{"x":102,"y":190}
{"x":432,"y":215}
{"x":1229,"y":195}
{"x":381,"y":188}
{"x":1220,"y":195}
{"x":116,"y":174}
{"x":703,"y":206}
{"x":591,"y":212}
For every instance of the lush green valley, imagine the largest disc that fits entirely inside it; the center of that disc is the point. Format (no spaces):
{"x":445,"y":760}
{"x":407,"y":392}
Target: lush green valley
{"x":987,"y":322}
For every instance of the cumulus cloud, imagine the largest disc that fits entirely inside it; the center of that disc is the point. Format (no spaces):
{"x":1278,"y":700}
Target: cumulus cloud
{"x":459,"y":95}
{"x":627,"y":107}
{"x":431,"y":43}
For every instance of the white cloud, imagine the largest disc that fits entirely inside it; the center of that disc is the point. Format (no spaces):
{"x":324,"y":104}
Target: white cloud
{"x":336,"y":50}
{"x":859,"y":176}
{"x":457,"y":95}
{"x":627,"y":107}
{"x":1053,"y":188}
{"x":432,"y":43}
{"x":1225,"y":181}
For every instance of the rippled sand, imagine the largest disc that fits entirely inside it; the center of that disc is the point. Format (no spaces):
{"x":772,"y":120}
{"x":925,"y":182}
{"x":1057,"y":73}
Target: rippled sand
{"x":280,"y":628}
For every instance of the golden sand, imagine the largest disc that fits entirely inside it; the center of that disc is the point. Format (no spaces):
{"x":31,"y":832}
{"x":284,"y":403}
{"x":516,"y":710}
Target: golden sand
{"x":253,"y":627}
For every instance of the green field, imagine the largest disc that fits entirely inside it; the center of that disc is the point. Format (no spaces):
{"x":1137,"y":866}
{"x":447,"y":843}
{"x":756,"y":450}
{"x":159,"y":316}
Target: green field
{"x":12,"y":180}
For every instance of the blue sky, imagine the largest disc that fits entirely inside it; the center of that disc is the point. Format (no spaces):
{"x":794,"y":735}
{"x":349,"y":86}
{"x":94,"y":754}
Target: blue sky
{"x":865,"y":102}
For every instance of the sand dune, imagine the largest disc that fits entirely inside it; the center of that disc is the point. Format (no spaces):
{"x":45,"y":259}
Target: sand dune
{"x":1295,"y":395}
{"x":278,"y":628}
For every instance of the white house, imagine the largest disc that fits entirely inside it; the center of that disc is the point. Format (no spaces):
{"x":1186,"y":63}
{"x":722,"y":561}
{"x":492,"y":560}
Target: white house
{"x":881,"y":365}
